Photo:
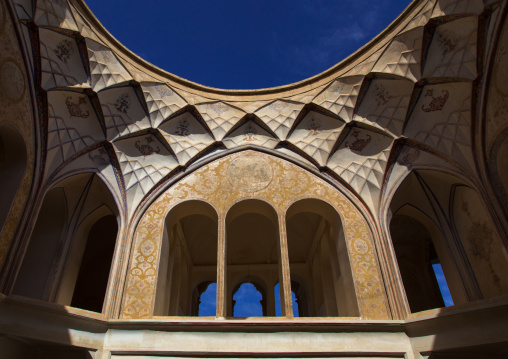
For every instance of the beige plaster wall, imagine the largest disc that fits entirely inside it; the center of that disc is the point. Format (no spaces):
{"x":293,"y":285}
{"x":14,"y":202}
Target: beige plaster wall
{"x":240,"y":176}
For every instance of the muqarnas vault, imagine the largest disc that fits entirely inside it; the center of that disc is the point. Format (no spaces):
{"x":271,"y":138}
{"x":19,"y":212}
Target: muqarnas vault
{"x":351,"y":201}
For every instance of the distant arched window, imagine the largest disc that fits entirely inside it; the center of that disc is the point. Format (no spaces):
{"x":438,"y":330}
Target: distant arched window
{"x":205,"y":299}
{"x":249,"y":300}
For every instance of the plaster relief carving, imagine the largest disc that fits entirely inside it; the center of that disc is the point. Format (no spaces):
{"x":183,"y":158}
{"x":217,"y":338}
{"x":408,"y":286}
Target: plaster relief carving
{"x":183,"y":127}
{"x":55,"y":13}
{"x":453,"y":50}
{"x":385,"y":104}
{"x":109,"y":57}
{"x":105,"y":69}
{"x":277,"y":182}
{"x":100,"y":157}
{"x":314,"y":127}
{"x":340,"y":97}
{"x":12,"y":80}
{"x":123,"y":102}
{"x":219,"y":107}
{"x":360,"y":143}
{"x":480,"y":240}
{"x":278,"y":106}
{"x":64,"y":50}
{"x":144,"y":161}
{"x":437,"y":102}
{"x":441,"y":119}
{"x":186,"y":136}
{"x":403,"y":56}
{"x":447,"y":41}
{"x":316,"y":135}
{"x":162,"y":101}
{"x":408,"y":156}
{"x":164,"y":91}
{"x":280,"y":116}
{"x":382,"y":95}
{"x":75,"y":108}
{"x":145,"y":146}
{"x":361,"y":160}
{"x":72,"y":126}
{"x":219,"y":117}
{"x":61,"y":62}
{"x":250,"y":133}
{"x":249,"y":173}
{"x":480,"y":237}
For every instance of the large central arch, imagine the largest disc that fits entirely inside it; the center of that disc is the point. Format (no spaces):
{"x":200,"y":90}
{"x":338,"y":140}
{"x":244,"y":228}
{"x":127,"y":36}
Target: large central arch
{"x":230,"y":180}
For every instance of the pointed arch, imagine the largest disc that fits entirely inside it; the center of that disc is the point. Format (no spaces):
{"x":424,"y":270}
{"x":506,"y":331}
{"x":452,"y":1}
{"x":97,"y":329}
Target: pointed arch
{"x":188,"y":261}
{"x":70,"y":250}
{"x":318,"y":255}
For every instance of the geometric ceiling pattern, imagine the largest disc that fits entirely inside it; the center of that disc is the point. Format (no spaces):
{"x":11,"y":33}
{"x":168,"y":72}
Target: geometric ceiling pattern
{"x":413,"y":85}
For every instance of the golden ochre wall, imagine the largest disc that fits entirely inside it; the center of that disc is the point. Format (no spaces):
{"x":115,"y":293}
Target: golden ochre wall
{"x":247,"y":175}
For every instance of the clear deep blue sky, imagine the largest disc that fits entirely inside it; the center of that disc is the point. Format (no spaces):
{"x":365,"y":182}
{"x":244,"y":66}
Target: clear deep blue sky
{"x":245,"y":44}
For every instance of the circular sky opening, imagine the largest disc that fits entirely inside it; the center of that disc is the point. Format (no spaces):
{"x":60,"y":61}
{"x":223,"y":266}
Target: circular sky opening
{"x":248,"y":44}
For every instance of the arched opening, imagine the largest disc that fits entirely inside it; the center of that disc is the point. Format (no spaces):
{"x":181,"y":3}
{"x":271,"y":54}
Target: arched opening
{"x":416,"y":257}
{"x":318,"y":256}
{"x":12,"y":167}
{"x":438,"y":221}
{"x":204,"y":300}
{"x":422,"y":247}
{"x":252,"y":237}
{"x":188,"y":256}
{"x":34,"y":276}
{"x":249,"y":300}
{"x":70,"y":252}
{"x":92,"y":281}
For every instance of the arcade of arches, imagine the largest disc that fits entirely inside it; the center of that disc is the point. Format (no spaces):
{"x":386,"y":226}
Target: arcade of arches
{"x":359,"y":213}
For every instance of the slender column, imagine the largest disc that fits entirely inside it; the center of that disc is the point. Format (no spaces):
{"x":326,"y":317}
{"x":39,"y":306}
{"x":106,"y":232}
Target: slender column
{"x":286,"y":304}
{"x":270,"y":300}
{"x":176,"y":277}
{"x":221,"y":268}
{"x":326,"y":275}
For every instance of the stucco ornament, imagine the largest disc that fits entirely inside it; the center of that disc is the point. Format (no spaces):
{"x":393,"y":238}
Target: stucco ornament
{"x":257,"y":175}
{"x":12,"y":81}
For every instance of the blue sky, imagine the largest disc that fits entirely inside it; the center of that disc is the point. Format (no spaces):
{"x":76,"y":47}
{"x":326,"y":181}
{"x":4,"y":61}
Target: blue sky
{"x":245,"y":44}
{"x":207,"y":307}
{"x":247,"y":301}
{"x":443,"y":286}
{"x":248,"y":298}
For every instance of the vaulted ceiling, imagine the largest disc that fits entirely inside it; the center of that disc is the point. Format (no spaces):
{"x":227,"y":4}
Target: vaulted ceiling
{"x":409,"y":95}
